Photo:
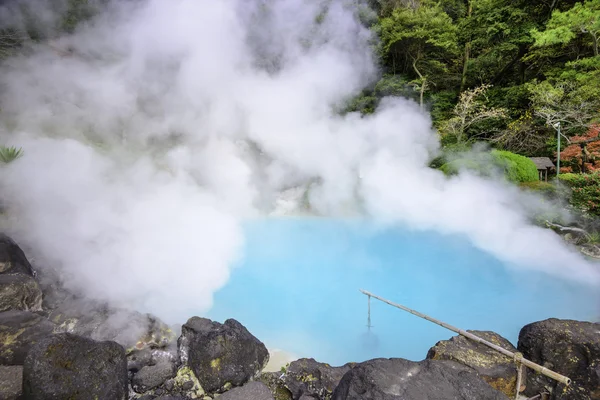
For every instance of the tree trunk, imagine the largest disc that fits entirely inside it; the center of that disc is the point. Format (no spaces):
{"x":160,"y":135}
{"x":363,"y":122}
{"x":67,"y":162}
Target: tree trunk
{"x":467,"y":55}
{"x":423,"y":80}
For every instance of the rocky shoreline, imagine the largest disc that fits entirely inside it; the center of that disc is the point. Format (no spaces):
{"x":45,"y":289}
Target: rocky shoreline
{"x":54,"y":345}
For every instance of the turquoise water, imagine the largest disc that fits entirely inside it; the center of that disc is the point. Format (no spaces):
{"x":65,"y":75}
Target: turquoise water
{"x":297,"y":289}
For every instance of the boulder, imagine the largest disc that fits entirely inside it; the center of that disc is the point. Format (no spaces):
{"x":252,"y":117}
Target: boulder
{"x":19,"y":292}
{"x":399,"y":379}
{"x":152,"y":376}
{"x":19,"y":330}
{"x":274,"y":381}
{"x":495,"y":368}
{"x":250,"y":391}
{"x":221,"y":355}
{"x":12,"y":258}
{"x":309,"y":377}
{"x":132,"y":330}
{"x":66,"y":366}
{"x":11,"y":382}
{"x":571,"y":348}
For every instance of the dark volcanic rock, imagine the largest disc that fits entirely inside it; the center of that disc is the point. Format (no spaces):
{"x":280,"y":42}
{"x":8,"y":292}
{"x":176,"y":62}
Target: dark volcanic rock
{"x":66,"y":366}
{"x":571,"y":348}
{"x":19,"y":292}
{"x":221,"y":354}
{"x":309,"y":377}
{"x":132,"y":330}
{"x":399,"y":379}
{"x":11,"y":382}
{"x":274,"y":381}
{"x":12,"y":258}
{"x":152,"y":376}
{"x":250,"y":391}
{"x":19,"y":330}
{"x":495,"y":368}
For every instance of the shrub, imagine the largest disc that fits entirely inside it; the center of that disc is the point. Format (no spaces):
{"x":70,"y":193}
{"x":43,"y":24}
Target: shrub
{"x":544,"y":188}
{"x":516,"y":168}
{"x":585,"y":191}
{"x":8,"y":154}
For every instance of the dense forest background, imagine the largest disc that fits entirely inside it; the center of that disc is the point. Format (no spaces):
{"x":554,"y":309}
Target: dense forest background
{"x":502,"y":71}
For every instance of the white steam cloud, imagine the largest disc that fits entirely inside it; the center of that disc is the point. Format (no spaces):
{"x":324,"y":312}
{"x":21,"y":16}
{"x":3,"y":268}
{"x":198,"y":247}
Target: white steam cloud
{"x":157,"y":128}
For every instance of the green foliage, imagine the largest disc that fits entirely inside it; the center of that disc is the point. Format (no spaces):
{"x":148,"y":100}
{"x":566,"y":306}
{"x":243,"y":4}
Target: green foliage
{"x":583,"y":19}
{"x":547,"y":189}
{"x":418,"y":42}
{"x":516,"y":168}
{"x":9,"y":154}
{"x":77,"y":12}
{"x":585,"y":191}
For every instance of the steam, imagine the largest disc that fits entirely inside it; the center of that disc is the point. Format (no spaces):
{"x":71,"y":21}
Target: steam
{"x":158,"y":127}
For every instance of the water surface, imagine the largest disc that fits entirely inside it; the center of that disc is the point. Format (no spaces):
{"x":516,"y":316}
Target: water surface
{"x":297,"y":289}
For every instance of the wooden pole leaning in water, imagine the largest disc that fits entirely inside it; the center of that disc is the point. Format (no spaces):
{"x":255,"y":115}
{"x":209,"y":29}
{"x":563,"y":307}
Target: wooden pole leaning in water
{"x":518,"y":357}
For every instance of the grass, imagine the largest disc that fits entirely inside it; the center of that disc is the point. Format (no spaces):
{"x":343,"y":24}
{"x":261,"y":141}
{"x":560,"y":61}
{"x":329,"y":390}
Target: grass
{"x":9,"y":154}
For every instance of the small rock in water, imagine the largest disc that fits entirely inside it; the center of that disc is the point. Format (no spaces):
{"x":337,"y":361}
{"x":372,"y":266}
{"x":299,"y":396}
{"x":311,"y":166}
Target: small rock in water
{"x":66,"y":366}
{"x":221,"y":354}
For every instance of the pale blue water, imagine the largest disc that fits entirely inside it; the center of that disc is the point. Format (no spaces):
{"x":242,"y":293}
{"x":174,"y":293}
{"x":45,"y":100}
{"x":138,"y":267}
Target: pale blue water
{"x":297,"y":289}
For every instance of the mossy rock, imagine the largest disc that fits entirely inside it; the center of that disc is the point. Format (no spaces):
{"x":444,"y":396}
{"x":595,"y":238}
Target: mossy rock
{"x":498,"y":370}
{"x":19,"y":330}
{"x":66,"y":366}
{"x":569,"y":347}
{"x":221,"y":354}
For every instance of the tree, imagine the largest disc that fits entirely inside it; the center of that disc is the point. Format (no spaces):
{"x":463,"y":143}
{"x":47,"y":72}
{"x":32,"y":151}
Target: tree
{"x":423,"y":38}
{"x":563,"y":102}
{"x":470,"y":110}
{"x":583,"y":154}
{"x":581,"y":20}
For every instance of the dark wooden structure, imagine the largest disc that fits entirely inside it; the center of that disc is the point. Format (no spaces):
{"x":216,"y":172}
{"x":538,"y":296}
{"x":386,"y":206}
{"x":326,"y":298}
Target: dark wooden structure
{"x":543,"y":164}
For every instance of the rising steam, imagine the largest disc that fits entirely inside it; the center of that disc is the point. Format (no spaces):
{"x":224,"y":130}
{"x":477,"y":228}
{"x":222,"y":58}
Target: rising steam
{"x":154,"y":130}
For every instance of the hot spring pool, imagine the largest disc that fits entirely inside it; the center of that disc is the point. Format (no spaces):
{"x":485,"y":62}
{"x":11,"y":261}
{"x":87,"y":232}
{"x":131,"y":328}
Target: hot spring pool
{"x":297,"y":289}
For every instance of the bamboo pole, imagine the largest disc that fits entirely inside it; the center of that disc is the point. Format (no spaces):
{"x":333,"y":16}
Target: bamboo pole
{"x":517,"y":357}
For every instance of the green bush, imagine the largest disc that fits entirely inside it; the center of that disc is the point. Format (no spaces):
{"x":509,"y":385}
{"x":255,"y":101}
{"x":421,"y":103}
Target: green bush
{"x":516,"y":168}
{"x":585,"y":191}
{"x":545,"y":188}
{"x":8,"y":154}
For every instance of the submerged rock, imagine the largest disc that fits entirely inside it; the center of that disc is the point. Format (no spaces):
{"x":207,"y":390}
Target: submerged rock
{"x":19,"y":330}
{"x":571,"y":348}
{"x":399,"y":379}
{"x":12,"y":258}
{"x":495,"y":368}
{"x":250,"y":391}
{"x":19,"y":292}
{"x":221,"y":355}
{"x":11,"y":382}
{"x":66,"y":366}
{"x":309,"y":377}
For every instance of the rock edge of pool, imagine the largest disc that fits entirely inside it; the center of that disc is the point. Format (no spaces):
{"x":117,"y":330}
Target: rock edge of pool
{"x":57,"y":345}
